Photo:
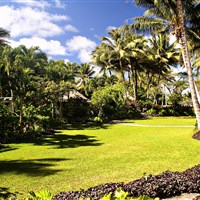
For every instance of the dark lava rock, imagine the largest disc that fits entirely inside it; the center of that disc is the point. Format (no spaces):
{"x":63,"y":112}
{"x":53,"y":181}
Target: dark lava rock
{"x":196,"y":135}
{"x":164,"y":185}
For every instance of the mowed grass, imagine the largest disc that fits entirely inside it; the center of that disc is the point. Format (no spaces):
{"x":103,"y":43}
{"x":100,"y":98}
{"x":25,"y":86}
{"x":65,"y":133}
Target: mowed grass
{"x":85,"y":156}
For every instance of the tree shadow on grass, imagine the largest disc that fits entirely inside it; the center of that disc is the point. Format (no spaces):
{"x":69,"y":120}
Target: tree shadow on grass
{"x":33,"y":167}
{"x":5,"y":148}
{"x":6,"y":194}
{"x":59,"y":141}
{"x":89,"y":126}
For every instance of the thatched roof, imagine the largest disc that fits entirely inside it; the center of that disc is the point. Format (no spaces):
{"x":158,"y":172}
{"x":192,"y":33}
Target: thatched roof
{"x":74,"y":94}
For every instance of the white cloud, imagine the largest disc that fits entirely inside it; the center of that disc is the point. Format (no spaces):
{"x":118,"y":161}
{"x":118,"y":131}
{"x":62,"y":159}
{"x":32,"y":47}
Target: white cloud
{"x":96,"y":36}
{"x":71,"y":28}
{"x":111,"y":28}
{"x":51,"y":47}
{"x":66,"y":60}
{"x":28,"y":21}
{"x":79,"y":42}
{"x":84,"y":56}
{"x":82,"y":46}
{"x":59,"y":4}
{"x":33,"y":3}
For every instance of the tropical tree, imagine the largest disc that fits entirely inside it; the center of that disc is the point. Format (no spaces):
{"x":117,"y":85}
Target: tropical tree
{"x":162,"y":55}
{"x":183,"y":19}
{"x":101,"y":59}
{"x":5,"y":67}
{"x":27,"y":70}
{"x":58,"y":70}
{"x":135,"y":48}
{"x":84,"y":74}
{"x":113,"y":52}
{"x":3,"y":34}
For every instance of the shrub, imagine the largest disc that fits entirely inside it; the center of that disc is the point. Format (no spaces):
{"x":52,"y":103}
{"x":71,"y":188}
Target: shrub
{"x":76,"y":110}
{"x":110,"y":103}
{"x":171,"y":111}
{"x":8,"y":122}
{"x":151,"y":111}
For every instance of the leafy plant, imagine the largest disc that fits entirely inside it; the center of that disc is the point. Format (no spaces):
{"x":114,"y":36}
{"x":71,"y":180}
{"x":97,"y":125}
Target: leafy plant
{"x":121,"y":195}
{"x":40,"y":195}
{"x":151,"y":111}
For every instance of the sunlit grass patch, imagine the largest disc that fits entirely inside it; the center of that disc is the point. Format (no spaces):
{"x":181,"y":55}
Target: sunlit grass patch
{"x":85,"y":156}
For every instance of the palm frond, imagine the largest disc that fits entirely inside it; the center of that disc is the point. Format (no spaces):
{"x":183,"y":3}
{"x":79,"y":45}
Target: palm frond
{"x":196,"y":62}
{"x":144,"y":3}
{"x":4,"y":33}
{"x":148,"y":24}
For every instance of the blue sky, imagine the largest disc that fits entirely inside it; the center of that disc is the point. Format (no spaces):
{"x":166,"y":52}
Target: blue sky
{"x":63,"y":29}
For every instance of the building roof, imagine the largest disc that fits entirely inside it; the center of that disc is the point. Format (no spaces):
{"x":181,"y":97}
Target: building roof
{"x":74,"y":94}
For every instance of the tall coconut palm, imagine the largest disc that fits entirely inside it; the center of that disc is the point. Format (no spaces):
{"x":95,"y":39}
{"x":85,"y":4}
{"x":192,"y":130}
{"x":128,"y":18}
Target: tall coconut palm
{"x":164,"y":54}
{"x":115,"y":53}
{"x":177,"y":16}
{"x":135,"y":52}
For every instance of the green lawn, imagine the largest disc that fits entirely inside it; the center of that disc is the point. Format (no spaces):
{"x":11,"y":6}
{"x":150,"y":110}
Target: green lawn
{"x":82,"y":156}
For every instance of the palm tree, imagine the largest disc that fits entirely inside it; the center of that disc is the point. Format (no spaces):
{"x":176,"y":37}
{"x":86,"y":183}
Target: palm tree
{"x":101,"y":59}
{"x":177,"y":16}
{"x":6,"y":64}
{"x":164,"y":56}
{"x":135,"y":48}
{"x":26,"y":73}
{"x":85,"y":72}
{"x":114,"y":51}
{"x":3,"y":34}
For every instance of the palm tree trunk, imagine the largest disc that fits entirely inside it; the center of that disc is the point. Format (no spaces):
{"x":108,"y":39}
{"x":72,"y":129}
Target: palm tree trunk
{"x":12,"y":98}
{"x":136,"y":85}
{"x":134,"y":82}
{"x":149,"y":78}
{"x":186,"y":59}
{"x":122,"y":71}
{"x":21,"y":116}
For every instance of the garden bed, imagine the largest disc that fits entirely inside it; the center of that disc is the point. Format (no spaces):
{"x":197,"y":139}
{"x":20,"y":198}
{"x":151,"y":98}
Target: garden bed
{"x":164,"y":185}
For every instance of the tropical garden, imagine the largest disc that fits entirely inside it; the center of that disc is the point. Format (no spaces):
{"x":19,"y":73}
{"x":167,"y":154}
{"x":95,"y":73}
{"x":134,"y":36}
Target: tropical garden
{"x":52,"y":110}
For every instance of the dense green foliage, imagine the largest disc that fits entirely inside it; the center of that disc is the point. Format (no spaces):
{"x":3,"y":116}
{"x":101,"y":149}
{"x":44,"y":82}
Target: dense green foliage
{"x":42,"y":91}
{"x":111,"y":103}
{"x":171,"y":111}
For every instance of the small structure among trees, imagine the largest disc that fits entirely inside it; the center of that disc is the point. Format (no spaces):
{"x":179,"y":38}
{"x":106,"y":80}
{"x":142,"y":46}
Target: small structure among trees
{"x":8,"y":101}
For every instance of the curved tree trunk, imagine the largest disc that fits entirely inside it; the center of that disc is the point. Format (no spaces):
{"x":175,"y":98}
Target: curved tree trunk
{"x":186,"y":59}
